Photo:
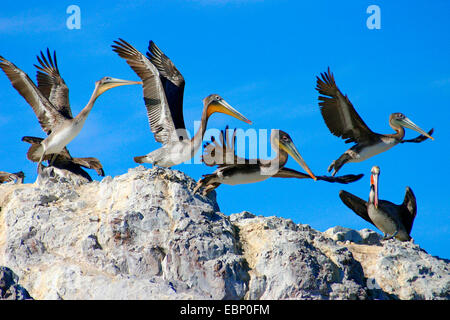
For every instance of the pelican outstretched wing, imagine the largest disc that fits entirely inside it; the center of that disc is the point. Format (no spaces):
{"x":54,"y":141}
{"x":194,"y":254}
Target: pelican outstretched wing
{"x":90,"y":163}
{"x":172,"y":81}
{"x":408,"y":209}
{"x":46,"y":113}
{"x":338,"y":112}
{"x":291,"y":173}
{"x":51,"y":84}
{"x":358,"y":205}
{"x":158,"y":111}
{"x":222,"y":152}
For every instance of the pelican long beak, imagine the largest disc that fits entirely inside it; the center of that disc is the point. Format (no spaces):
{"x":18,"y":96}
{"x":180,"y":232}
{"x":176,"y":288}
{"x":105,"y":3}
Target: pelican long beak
{"x":114,"y":82}
{"x":290,"y":148}
{"x":374,"y":183}
{"x":224,"y":107}
{"x":411,"y":125}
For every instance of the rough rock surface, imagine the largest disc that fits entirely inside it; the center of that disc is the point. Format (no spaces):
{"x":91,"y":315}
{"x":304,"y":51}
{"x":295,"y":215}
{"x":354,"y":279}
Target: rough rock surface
{"x":9,"y":287}
{"x":144,"y":235}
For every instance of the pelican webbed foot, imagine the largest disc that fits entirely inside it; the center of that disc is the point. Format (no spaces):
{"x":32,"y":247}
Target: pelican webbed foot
{"x":207,"y":188}
{"x":331,"y":166}
{"x":198,"y":186}
{"x":343,"y":159}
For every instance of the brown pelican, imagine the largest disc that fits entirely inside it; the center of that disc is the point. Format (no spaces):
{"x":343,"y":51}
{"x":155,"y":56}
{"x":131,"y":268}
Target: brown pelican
{"x":224,"y":156}
{"x":53,"y":113}
{"x":53,"y":87}
{"x":233,"y":170}
{"x":163,"y":87}
{"x":64,"y":160}
{"x":393,"y":220}
{"x":12,"y":177}
{"x":343,"y":121}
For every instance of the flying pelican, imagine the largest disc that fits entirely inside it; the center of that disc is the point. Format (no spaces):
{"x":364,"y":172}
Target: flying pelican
{"x":343,"y":121}
{"x":64,"y":160}
{"x":224,"y":156}
{"x":54,"y":117}
{"x":10,"y":177}
{"x":53,"y":87}
{"x":233,"y":170}
{"x":393,"y":220}
{"x":163,"y":87}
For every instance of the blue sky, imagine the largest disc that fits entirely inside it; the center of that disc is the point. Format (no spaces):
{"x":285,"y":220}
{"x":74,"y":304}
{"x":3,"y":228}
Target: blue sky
{"x":262,"y":57}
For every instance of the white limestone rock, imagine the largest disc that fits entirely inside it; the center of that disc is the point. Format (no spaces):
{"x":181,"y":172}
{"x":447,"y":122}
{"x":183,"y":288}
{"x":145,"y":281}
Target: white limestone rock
{"x":145,"y":235}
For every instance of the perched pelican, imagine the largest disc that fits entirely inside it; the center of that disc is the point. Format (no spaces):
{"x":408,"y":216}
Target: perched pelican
{"x":233,"y":170}
{"x":393,"y":220}
{"x":10,"y":177}
{"x":343,"y":121}
{"x":163,"y":87}
{"x":53,"y":87}
{"x":53,"y":113}
{"x":64,"y":160}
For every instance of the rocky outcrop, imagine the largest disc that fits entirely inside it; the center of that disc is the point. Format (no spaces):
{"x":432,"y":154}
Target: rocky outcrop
{"x":402,"y":269}
{"x":9,"y":287}
{"x":145,"y":235}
